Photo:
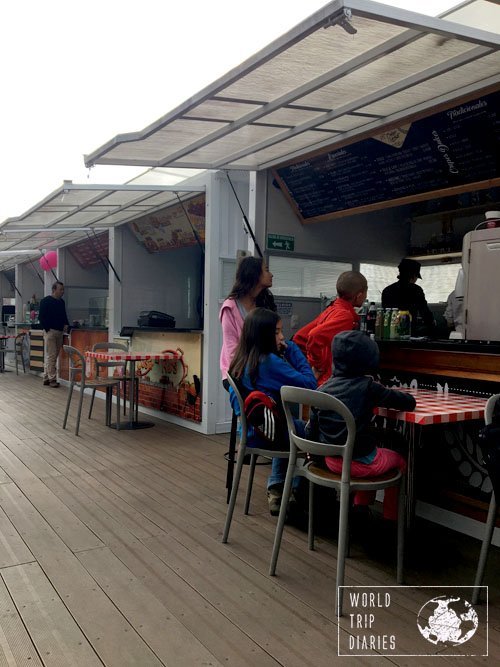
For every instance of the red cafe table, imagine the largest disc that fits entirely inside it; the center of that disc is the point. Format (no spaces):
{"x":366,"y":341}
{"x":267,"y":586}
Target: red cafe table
{"x":432,"y":408}
{"x":133,"y":423}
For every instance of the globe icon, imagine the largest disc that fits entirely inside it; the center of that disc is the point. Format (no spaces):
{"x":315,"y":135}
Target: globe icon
{"x":447,"y":621}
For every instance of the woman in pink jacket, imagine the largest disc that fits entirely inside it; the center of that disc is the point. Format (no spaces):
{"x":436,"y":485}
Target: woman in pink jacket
{"x":250,"y":290}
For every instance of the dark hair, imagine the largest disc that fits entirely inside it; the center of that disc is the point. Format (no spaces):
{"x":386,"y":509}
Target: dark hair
{"x":247,"y":278}
{"x":58,"y":282}
{"x":258,"y":338}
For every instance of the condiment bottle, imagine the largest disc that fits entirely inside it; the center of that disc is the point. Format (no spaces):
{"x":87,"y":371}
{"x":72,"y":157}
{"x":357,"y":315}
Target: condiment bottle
{"x":379,"y":324}
{"x":394,"y":324}
{"x":387,"y":323}
{"x":404,"y":324}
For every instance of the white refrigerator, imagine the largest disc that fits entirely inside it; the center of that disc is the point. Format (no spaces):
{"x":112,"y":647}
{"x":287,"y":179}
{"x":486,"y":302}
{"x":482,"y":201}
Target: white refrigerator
{"x":481,"y":264}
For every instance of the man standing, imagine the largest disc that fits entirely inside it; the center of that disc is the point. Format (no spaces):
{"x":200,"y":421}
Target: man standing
{"x":406,"y":295}
{"x":55,"y":323}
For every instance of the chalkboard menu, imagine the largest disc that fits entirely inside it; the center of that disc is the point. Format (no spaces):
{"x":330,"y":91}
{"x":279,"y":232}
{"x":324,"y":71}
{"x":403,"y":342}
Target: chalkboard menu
{"x":452,"y":148}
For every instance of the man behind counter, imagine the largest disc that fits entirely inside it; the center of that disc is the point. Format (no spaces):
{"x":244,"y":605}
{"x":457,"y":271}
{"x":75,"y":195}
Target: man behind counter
{"x":55,"y":323}
{"x":406,"y":295}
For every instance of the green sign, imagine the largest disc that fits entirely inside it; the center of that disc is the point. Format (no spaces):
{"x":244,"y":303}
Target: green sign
{"x":280,"y":242}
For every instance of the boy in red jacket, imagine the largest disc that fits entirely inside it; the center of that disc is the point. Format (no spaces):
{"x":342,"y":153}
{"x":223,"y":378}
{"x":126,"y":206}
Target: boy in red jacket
{"x":315,"y":339}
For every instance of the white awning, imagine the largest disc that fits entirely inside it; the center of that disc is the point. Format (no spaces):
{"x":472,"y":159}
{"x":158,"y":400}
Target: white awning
{"x":74,"y":211}
{"x":349,"y":70}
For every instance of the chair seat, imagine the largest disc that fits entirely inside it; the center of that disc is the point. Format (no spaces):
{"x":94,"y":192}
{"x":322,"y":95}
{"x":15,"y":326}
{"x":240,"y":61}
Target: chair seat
{"x":390,"y":475}
{"x":102,"y":382}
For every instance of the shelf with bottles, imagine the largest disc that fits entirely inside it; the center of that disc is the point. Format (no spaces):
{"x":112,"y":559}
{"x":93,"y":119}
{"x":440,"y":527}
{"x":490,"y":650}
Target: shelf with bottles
{"x":32,"y":310}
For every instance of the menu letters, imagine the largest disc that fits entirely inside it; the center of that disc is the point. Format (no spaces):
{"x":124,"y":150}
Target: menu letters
{"x":455,"y":147}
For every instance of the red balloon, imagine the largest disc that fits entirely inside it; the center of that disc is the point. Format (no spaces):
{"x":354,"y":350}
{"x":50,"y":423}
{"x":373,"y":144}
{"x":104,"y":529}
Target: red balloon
{"x":49,"y":260}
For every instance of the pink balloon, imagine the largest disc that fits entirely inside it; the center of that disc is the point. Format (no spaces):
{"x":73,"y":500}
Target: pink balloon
{"x":49,"y":260}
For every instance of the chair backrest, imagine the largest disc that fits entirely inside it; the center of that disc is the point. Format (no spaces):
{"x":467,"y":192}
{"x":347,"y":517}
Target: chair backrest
{"x":321,"y":401}
{"x":19,"y":340}
{"x":76,"y":364}
{"x":490,"y":408}
{"x":241,"y":404}
{"x":106,"y":347}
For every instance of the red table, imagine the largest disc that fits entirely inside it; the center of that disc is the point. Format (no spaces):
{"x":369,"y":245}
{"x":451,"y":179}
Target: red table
{"x":133,"y":423}
{"x":432,"y":408}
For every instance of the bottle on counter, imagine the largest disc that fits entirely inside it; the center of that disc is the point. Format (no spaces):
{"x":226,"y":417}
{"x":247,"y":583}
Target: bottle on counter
{"x":379,"y":324}
{"x":394,"y":324}
{"x":387,"y":323}
{"x":404,"y":324}
{"x":363,"y":313}
{"x":371,"y":318}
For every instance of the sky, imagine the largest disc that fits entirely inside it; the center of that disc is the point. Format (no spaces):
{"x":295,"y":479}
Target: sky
{"x":75,"y":74}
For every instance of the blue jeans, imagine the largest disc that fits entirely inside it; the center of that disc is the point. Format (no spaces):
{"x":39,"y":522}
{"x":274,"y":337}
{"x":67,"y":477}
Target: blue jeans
{"x":279,"y":466}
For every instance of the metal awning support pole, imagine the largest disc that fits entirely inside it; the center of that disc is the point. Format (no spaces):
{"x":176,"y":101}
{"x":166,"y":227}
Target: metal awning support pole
{"x":193,"y":229}
{"x":108,"y":260}
{"x":34,"y":269}
{"x":14,"y":287}
{"x":245,"y":219}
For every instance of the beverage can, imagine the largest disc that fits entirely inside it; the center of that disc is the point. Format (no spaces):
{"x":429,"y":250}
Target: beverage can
{"x":387,"y":323}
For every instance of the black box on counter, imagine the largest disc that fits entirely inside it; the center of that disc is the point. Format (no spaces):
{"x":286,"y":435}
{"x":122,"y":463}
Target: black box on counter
{"x":153,"y":318}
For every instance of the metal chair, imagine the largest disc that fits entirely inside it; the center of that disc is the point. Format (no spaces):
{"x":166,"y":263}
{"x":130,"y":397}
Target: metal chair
{"x":243,"y":449}
{"x":18,"y":351}
{"x":344,"y":484}
{"x":492,"y":514}
{"x":106,"y":347}
{"x":77,"y":376}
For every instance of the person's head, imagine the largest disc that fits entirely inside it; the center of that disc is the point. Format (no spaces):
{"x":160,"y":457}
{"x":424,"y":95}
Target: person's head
{"x":58,"y":289}
{"x":252,"y":277}
{"x":354,"y":354}
{"x":261,"y":335}
{"x":353,"y":287}
{"x":409,"y":270}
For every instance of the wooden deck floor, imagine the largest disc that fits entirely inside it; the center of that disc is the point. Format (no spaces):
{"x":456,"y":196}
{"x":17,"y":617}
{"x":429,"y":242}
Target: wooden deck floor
{"x":110,"y":553}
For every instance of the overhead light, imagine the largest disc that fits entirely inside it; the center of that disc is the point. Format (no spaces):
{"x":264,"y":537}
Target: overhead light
{"x":344,"y":21}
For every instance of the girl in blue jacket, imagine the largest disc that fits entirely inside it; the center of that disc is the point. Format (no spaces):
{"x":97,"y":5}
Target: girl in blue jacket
{"x":264,"y":361}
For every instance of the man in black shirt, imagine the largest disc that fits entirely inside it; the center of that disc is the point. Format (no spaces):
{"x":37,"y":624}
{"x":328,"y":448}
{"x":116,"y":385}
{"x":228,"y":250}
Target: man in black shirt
{"x":406,"y":295}
{"x":55,"y":323}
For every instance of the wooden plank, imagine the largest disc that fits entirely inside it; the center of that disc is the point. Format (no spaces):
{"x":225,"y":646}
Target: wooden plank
{"x":16,"y":647}
{"x":13,"y":550}
{"x":56,"y":636}
{"x":229,"y":644}
{"x":71,"y":530}
{"x":112,"y":637}
{"x":167,"y":637}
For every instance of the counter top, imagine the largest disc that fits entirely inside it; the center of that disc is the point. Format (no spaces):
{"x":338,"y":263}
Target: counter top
{"x":132,"y":330}
{"x":463,"y":346}
{"x":88,"y":329}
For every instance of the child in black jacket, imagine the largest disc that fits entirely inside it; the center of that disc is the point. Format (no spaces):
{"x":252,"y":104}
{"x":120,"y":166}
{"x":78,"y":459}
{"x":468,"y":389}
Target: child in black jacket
{"x":354,"y":357}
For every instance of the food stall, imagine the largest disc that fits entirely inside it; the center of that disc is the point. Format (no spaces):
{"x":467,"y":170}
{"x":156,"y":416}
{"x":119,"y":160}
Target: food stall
{"x":388,"y":126}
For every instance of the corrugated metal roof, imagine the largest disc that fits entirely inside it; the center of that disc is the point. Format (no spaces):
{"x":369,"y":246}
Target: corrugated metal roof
{"x":73,"y":211}
{"x":350,"y":69}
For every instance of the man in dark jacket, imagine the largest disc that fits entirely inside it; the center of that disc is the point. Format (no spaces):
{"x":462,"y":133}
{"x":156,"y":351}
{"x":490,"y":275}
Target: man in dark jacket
{"x":406,"y":295}
{"x":55,"y":324}
{"x":355,"y":357}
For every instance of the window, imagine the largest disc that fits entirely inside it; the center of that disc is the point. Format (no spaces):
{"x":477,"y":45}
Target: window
{"x":305,"y":277}
{"x":378,"y":277}
{"x":437,"y":280}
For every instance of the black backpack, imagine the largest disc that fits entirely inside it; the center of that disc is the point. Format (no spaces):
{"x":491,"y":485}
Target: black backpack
{"x":267,"y":419}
